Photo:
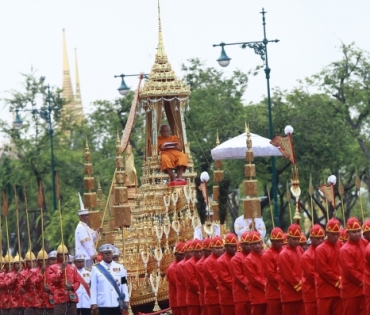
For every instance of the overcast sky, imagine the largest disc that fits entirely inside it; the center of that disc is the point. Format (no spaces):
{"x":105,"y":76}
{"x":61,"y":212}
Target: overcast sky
{"x":114,"y":37}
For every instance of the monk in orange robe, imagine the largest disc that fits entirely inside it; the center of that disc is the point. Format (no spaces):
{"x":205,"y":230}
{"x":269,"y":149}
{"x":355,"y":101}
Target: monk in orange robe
{"x":171,"y":155}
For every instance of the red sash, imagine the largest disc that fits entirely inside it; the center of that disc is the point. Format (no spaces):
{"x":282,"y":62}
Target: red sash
{"x":83,"y":282}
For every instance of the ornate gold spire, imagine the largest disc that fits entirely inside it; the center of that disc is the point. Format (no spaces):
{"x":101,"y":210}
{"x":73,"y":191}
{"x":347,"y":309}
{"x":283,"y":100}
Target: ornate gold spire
{"x":162,"y":79}
{"x":67,"y":93}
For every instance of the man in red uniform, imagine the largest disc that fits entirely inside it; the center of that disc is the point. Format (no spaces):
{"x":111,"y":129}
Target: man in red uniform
{"x":180,"y":278}
{"x":171,"y":278}
{"x":291,"y":273}
{"x":192,"y":285}
{"x":65,"y":280}
{"x":366,"y":230}
{"x":242,"y":300}
{"x":270,"y":259}
{"x":303,"y":242}
{"x":199,"y":273}
{"x":5,"y":298}
{"x":327,"y":275}
{"x":224,"y":277}
{"x":351,"y":263}
{"x":211,"y":299}
{"x":343,"y":236}
{"x":366,"y":289}
{"x":29,"y":295}
{"x":38,"y":282}
{"x":256,"y":275}
{"x":317,"y":235}
{"x":285,"y":241}
{"x":13,"y":283}
{"x":47,"y":286}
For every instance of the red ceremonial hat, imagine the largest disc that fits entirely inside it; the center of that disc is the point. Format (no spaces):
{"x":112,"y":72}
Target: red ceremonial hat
{"x":343,"y":236}
{"x":353,"y":224}
{"x":366,"y":226}
{"x":180,"y":248}
{"x":285,"y":240}
{"x":277,"y":234}
{"x":217,"y":242}
{"x":207,"y":243}
{"x":189,"y":246}
{"x":239,"y":247}
{"x":303,"y":239}
{"x":333,"y":226}
{"x":294,"y":230}
{"x":231,"y":239}
{"x":245,"y":238}
{"x":197,"y":245}
{"x":255,"y":237}
{"x":317,"y":231}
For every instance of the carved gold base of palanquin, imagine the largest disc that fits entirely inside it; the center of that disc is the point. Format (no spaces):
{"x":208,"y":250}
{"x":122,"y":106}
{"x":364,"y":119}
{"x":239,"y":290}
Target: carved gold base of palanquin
{"x":142,"y":291}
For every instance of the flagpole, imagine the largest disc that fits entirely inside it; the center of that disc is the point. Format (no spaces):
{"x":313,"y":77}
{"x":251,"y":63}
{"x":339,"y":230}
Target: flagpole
{"x":60,"y":221}
{"x":18,"y":234}
{"x":5,"y":210}
{"x":28,"y":220}
{"x":40,"y":201}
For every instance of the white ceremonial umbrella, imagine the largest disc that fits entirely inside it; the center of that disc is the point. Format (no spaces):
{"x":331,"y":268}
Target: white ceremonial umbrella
{"x":236,"y":148}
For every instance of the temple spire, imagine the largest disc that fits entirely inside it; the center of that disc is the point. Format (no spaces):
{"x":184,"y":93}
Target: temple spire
{"x":77,"y":100}
{"x":67,"y":93}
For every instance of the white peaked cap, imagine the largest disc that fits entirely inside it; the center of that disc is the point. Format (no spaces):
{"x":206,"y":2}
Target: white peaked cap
{"x":82,"y":210}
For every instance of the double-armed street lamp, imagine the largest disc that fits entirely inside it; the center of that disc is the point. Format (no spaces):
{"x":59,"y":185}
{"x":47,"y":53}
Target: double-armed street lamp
{"x":260,"y":48}
{"x":124,"y":89}
{"x":46,"y":114}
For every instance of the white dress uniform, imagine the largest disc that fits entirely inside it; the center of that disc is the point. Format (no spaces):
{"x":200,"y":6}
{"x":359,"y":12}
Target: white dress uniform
{"x":85,"y":239}
{"x":242,"y":225}
{"x":83,"y":296}
{"x":103,"y":293}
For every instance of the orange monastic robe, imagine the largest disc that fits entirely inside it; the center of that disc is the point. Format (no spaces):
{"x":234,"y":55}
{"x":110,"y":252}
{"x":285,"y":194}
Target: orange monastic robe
{"x":171,"y":158}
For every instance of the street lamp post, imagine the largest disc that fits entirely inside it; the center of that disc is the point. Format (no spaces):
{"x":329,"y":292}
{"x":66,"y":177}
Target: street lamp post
{"x":260,"y":48}
{"x":46,"y":114}
{"x":123,"y":88}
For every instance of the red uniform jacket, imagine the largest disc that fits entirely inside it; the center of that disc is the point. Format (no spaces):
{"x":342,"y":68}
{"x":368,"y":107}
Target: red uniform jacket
{"x":199,"y":274}
{"x":192,"y":285}
{"x":308,"y":275}
{"x":290,"y":274}
{"x":3,"y":294}
{"x":48,"y":296}
{"x":37,"y":281}
{"x":31,"y":297}
{"x":351,"y":263}
{"x":57,"y":278}
{"x":224,"y":280}
{"x":256,"y":278}
{"x":366,"y":289}
{"x":326,"y":264}
{"x":13,"y":283}
{"x":240,"y":280}
{"x":210,"y":282}
{"x":180,"y":283}
{"x":270,"y":259}
{"x":171,"y":279}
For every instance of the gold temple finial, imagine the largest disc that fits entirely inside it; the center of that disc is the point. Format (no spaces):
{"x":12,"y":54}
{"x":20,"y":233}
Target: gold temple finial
{"x":160,"y":52}
{"x":217,"y":139}
{"x":67,"y":93}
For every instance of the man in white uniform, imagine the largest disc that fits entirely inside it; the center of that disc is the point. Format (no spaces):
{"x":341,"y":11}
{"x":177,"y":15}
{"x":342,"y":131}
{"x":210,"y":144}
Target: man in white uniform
{"x":83,"y":291}
{"x":242,"y":225}
{"x":108,"y":284}
{"x":85,"y":237}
